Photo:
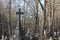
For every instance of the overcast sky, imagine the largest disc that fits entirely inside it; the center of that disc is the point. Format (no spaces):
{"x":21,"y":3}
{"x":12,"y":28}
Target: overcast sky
{"x":42,"y":2}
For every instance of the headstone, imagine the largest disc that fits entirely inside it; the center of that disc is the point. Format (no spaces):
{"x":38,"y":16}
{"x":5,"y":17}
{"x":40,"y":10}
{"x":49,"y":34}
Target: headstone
{"x":2,"y":37}
{"x":45,"y":33}
{"x":54,"y":33}
{"x":14,"y":36}
{"x":28,"y":30}
{"x":58,"y":33}
{"x":50,"y":38}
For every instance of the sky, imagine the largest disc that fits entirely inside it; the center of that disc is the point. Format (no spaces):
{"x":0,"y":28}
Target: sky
{"x":5,"y":2}
{"x":42,"y":2}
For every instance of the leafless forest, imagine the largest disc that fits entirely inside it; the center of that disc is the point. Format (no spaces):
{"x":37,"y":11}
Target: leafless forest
{"x":40,"y":20}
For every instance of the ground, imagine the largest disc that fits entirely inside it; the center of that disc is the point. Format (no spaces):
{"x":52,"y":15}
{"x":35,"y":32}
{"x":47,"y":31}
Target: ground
{"x":16,"y":37}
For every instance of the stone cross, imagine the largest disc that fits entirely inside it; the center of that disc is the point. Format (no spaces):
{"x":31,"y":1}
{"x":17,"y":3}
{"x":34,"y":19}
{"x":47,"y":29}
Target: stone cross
{"x":20,"y":28}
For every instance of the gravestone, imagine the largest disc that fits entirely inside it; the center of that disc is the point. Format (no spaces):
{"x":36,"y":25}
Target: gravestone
{"x":50,"y":38}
